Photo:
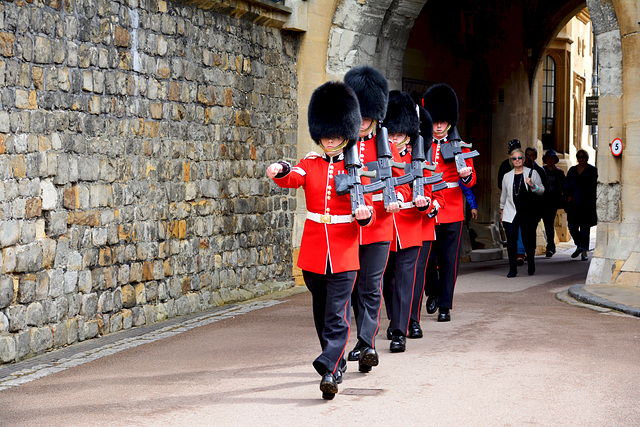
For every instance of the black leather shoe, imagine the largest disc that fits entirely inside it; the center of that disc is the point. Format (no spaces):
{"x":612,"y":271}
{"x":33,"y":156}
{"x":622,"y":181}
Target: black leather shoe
{"x":576,"y":253}
{"x":531,"y":270}
{"x":389,"y":332}
{"x":369,"y":356}
{"x":398,"y":344}
{"x":444,"y":315}
{"x":415,"y":331}
{"x":355,"y":353}
{"x":512,"y":273}
{"x":341,"y":370}
{"x":328,"y":386}
{"x":432,"y":304}
{"x":363,"y":368}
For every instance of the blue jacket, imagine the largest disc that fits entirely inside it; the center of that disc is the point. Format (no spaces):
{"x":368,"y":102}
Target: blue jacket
{"x":468,"y":194}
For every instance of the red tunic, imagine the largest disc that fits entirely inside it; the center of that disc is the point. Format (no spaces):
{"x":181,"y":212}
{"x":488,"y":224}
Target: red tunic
{"x":453,"y":211}
{"x":336,"y":244}
{"x":382,"y":230}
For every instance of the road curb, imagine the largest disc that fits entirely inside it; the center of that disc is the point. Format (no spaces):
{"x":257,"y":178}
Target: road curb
{"x":579,"y":293}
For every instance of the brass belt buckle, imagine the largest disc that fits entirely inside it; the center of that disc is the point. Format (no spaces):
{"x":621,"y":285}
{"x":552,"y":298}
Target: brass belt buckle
{"x":325,"y":219}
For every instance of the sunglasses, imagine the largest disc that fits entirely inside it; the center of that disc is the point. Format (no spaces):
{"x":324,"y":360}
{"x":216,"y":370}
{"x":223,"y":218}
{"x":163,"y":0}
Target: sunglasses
{"x":516,"y":158}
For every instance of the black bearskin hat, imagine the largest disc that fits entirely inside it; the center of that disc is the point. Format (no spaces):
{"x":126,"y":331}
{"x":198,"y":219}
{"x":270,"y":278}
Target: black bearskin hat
{"x":401,"y":114}
{"x":442,"y":103}
{"x":334,"y":112}
{"x":372,"y":90}
{"x":426,"y":124}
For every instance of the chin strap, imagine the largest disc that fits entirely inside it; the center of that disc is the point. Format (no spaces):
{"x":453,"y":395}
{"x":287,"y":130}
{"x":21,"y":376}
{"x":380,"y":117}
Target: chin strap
{"x":336,"y":149}
{"x":402,"y":144}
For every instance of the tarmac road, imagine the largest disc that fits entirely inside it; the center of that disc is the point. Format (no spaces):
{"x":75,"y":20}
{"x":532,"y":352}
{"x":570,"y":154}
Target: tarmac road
{"x":512,"y":355}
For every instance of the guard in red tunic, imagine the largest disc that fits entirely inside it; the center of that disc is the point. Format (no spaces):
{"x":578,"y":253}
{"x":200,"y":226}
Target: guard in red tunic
{"x":329,"y":248}
{"x":403,"y":125}
{"x":451,"y":158}
{"x":372,"y":90}
{"x":428,"y":234}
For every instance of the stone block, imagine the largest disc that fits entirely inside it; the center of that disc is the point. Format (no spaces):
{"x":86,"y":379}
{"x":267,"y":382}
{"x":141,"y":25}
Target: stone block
{"x":128,"y":296}
{"x":60,"y":335}
{"x":7,"y":349}
{"x":27,"y":289}
{"x":48,"y":247}
{"x":70,"y":282}
{"x":127,"y":319}
{"x":89,"y":305}
{"x":41,"y":339}
{"x":4,"y":323}
{"x":138,"y":316}
{"x":72,"y":331}
{"x":33,"y":208}
{"x":75,"y":304}
{"x":105,"y":302}
{"x":42,"y":285}
{"x":84,"y":281}
{"x":115,"y":323}
{"x":161,"y":312}
{"x":49,"y":195}
{"x":90,"y":329}
{"x":9,"y":233}
{"x":6,"y":291}
{"x":141,"y":294}
{"x":34,"y":314}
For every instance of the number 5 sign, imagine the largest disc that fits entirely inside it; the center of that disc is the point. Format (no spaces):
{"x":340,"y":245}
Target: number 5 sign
{"x":616,"y":147}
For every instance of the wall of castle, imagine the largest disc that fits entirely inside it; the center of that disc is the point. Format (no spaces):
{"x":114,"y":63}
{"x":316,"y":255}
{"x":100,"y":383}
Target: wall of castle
{"x":134,"y":136}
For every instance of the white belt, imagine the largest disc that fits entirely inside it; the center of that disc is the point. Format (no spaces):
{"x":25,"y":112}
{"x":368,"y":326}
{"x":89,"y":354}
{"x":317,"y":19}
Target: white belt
{"x":377,"y":197}
{"x":453,"y":184}
{"x":329,"y":219}
{"x":406,"y":205}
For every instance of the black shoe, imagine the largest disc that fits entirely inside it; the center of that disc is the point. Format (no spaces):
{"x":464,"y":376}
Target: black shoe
{"x":415,"y":331}
{"x":363,"y":368}
{"x":512,"y":273}
{"x":444,"y":315}
{"x":398,"y":344}
{"x":355,"y":353}
{"x":549,"y":254}
{"x":328,"y":386}
{"x":369,"y":356}
{"x":584,"y":256}
{"x":432,"y":304}
{"x":531,"y":270}
{"x":520,"y":259}
{"x":341,"y":370}
{"x":576,"y":253}
{"x":389,"y":332}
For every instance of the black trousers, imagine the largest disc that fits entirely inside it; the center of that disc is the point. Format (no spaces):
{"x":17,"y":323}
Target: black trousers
{"x":399,"y":280}
{"x":549,"y":219}
{"x":366,"y":299}
{"x":442,"y":269}
{"x":418,"y":289}
{"x":527,"y":226}
{"x":331,"y":299}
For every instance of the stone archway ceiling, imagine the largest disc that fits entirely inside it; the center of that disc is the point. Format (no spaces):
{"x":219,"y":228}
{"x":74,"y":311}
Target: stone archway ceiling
{"x":542,"y":21}
{"x":372,"y":32}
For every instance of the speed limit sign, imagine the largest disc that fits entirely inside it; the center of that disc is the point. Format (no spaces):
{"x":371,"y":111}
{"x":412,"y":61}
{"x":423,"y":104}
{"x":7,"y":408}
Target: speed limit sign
{"x":616,"y":147}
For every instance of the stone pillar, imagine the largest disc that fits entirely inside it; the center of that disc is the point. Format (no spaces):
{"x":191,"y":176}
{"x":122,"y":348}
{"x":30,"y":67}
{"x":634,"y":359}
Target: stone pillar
{"x":616,"y":259}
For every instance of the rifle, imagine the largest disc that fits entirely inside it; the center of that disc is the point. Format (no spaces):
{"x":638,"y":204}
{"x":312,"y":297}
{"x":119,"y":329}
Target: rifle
{"x":351,"y":182}
{"x":385,"y":180}
{"x":453,"y":150}
{"x":416,"y":168}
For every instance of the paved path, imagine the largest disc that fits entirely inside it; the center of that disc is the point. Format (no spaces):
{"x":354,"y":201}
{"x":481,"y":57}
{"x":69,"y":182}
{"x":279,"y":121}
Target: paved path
{"x":514,"y":354}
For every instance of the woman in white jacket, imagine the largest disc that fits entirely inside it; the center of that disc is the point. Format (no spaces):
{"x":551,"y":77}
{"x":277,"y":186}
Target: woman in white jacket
{"x":520,"y":190}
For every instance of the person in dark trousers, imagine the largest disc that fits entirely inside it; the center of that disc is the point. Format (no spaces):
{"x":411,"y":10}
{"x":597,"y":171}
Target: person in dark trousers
{"x":403,"y":125}
{"x":580,"y":195}
{"x":505,"y":167}
{"x":441,"y":102}
{"x":552,"y":198}
{"x":428,"y":238}
{"x":520,"y":190}
{"x":329,"y":248}
{"x":372,"y":90}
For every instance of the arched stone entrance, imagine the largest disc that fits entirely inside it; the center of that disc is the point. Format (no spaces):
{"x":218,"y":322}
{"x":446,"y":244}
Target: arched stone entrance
{"x":512,"y":38}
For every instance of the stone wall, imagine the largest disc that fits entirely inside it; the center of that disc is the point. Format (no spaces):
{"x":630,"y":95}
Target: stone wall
{"x":134,"y":136}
